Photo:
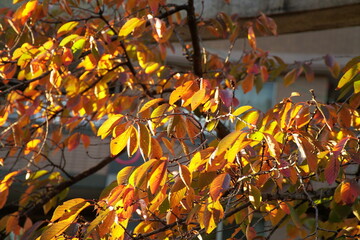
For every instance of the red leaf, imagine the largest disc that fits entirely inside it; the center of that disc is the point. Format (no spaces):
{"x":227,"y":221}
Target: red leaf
{"x":332,"y":170}
{"x":349,"y":192}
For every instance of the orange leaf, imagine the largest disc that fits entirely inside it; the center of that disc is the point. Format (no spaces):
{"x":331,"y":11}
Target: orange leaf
{"x":85,"y":139}
{"x":220,"y":184}
{"x":198,"y":98}
{"x":350,"y":191}
{"x":179,"y":92}
{"x":73,"y":141}
{"x":154,"y":5}
{"x":185,"y":175}
{"x":140,"y":173}
{"x":156,"y":150}
{"x":251,"y":38}
{"x":24,"y":12}
{"x":158,"y":177}
{"x":248,"y":83}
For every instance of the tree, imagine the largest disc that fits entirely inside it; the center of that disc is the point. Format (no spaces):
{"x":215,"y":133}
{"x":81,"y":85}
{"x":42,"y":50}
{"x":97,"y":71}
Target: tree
{"x":70,"y":64}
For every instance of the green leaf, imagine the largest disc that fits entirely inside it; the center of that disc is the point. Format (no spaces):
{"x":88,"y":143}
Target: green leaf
{"x":77,"y":47}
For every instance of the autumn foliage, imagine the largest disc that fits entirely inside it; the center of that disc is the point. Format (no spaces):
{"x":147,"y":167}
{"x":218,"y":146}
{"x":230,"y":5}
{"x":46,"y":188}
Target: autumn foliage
{"x":207,"y":159}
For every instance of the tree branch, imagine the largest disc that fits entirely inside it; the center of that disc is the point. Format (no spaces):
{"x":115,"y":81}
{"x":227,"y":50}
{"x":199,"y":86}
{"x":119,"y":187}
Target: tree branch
{"x":192,"y":23}
{"x":29,"y":210}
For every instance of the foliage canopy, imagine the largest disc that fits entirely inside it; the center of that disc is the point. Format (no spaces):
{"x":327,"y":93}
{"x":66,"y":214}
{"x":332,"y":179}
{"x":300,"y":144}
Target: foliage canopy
{"x":207,"y":159}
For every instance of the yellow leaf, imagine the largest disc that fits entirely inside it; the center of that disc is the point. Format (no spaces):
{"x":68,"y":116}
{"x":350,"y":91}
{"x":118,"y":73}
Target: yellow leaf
{"x":227,"y":142}
{"x":119,"y":143}
{"x":158,"y":113}
{"x":65,"y":208}
{"x":59,"y":227}
{"x":140,"y":173}
{"x":133,"y":143}
{"x":151,"y":67}
{"x":123,"y":175}
{"x":24,"y":12}
{"x":150,"y":104}
{"x":107,"y":127}
{"x":130,"y":25}
{"x":349,"y":75}
{"x":145,"y":144}
{"x":31,"y":146}
{"x":67,"y":27}
{"x":241,"y":110}
{"x":177,"y":193}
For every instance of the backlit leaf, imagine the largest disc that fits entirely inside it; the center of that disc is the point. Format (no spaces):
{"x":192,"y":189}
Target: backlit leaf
{"x":248,"y":83}
{"x":332,"y":170}
{"x":290,"y":77}
{"x":123,"y":175}
{"x":118,"y":143}
{"x":255,"y":196}
{"x":227,"y":142}
{"x":349,"y":75}
{"x":66,"y":28}
{"x":185,"y":175}
{"x":219,"y":185}
{"x":73,"y":141}
{"x":158,"y":177}
{"x":31,"y":146}
{"x":107,"y":127}
{"x":65,"y":208}
{"x":145,"y":142}
{"x":130,"y":26}
{"x":349,"y":192}
{"x":241,"y":110}
{"x":273,"y":145}
{"x":150,"y":104}
{"x":198,"y":98}
{"x":179,"y":92}
{"x":251,"y":38}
